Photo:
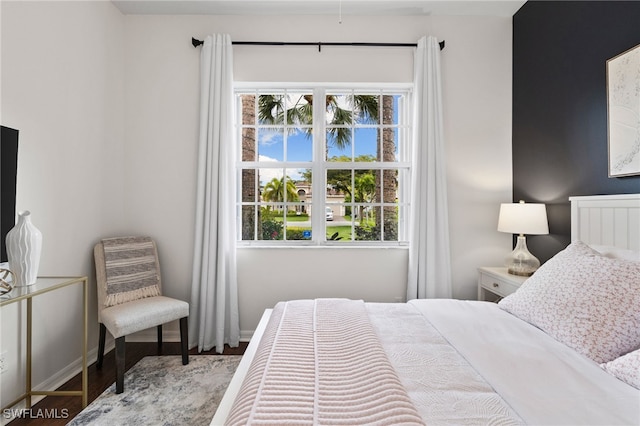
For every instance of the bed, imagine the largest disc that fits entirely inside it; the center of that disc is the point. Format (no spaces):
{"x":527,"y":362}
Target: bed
{"x":563,"y":349}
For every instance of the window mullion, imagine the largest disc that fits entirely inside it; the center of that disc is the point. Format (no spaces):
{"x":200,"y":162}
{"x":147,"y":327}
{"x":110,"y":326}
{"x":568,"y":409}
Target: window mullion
{"x":319,"y":183}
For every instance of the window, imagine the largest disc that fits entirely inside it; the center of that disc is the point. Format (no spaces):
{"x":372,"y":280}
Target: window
{"x":333,"y":172}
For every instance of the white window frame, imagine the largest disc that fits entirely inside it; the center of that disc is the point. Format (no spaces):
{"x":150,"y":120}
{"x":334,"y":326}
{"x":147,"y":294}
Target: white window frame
{"x":319,"y":166}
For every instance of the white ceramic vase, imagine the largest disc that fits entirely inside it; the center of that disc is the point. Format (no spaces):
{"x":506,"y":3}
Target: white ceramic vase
{"x":24,"y":245}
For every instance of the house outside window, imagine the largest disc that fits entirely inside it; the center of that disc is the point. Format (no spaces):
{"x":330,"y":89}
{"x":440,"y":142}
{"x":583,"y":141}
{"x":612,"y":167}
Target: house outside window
{"x":329,"y":172}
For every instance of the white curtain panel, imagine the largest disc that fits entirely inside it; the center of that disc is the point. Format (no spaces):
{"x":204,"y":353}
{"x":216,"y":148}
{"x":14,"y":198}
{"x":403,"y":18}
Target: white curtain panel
{"x":214,"y":318}
{"x":429,"y":260}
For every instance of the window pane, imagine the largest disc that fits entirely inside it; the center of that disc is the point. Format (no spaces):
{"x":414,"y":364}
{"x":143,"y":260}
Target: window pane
{"x":390,"y":109}
{"x":248,"y":142}
{"x":390,"y":212}
{"x":339,"y":109}
{"x":339,"y":183}
{"x":300,"y":144}
{"x":338,"y":144}
{"x":249,"y":223}
{"x":299,"y":222}
{"x":303,"y":188}
{"x":271,"y":224}
{"x":339,"y":225}
{"x":366,"y":109}
{"x":250,"y":190}
{"x":291,"y":190}
{"x":390,"y":222}
{"x":366,"y":144}
{"x":389,"y":144}
{"x":267,"y":175}
{"x":271,"y":109}
{"x":368,"y":228}
{"x":248,"y":110}
{"x":389,"y":186}
{"x":303,"y":184}
{"x":366,"y":186}
{"x":270,"y":144}
{"x":397,"y":133}
{"x":299,"y":108}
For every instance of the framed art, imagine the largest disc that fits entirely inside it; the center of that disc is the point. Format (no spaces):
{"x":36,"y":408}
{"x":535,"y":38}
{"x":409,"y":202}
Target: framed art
{"x":623,"y":111}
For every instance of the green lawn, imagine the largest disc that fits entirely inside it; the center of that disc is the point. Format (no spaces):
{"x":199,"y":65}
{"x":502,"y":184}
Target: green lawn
{"x":343,"y":231}
{"x":295,"y":218}
{"x":290,"y":218}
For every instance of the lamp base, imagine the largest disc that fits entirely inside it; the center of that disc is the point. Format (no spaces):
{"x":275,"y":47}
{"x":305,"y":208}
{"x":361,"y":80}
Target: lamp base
{"x":521,"y":262}
{"x":519,"y":272}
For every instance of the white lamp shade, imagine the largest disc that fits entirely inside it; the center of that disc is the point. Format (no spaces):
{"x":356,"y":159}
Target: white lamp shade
{"x":523,"y":218}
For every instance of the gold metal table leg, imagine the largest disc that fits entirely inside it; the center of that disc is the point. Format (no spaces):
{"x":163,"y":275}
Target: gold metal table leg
{"x":29,"y":352}
{"x":85,"y":375}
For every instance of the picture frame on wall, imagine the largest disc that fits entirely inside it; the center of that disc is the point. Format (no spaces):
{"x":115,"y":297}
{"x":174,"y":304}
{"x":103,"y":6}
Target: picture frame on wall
{"x":623,"y":113}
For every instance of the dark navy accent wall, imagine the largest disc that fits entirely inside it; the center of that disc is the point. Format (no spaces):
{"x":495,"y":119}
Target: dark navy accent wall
{"x":560,"y":49}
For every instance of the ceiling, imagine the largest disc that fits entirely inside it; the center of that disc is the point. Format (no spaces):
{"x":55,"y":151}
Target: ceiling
{"x":319,"y":7}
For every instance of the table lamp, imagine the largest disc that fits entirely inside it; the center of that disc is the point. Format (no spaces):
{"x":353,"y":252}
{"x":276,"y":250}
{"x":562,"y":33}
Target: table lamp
{"x":522,"y":218}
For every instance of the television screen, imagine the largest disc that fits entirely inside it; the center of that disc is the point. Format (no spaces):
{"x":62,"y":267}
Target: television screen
{"x":8,"y":169}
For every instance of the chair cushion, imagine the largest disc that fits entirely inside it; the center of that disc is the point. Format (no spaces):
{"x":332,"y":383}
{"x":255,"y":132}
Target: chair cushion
{"x":130,"y":317}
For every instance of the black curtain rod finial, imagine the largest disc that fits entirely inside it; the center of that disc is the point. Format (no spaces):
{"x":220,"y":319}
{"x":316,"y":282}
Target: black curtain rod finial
{"x":196,"y":42}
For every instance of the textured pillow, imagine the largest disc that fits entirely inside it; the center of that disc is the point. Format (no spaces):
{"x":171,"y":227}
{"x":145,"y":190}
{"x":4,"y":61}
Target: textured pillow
{"x":616,"y":253}
{"x":589,"y":302}
{"x":130,"y":266}
{"x":626,"y":368}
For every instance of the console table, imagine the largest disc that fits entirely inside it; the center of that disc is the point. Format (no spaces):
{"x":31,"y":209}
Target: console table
{"x":27,"y":293}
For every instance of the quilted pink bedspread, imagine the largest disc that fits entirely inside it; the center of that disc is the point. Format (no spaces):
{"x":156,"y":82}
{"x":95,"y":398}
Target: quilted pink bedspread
{"x":320,"y":362}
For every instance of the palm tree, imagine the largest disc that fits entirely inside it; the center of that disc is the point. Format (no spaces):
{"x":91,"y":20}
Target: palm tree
{"x":276,"y":190}
{"x":271,"y":110}
{"x":389,"y":177}
{"x":249,"y":187}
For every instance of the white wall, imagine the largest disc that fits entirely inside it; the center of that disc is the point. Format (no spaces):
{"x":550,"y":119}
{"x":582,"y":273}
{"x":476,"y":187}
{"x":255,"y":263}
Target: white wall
{"x":62,"y":87}
{"x":108,"y":111}
{"x":161,"y":130}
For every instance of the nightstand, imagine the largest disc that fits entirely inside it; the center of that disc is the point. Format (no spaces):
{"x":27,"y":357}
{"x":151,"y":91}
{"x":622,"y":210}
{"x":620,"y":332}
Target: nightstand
{"x":494,"y":283}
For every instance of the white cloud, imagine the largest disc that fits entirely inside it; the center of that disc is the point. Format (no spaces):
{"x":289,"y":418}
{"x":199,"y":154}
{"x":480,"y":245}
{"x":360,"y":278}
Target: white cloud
{"x":267,"y":174}
{"x":269,"y":137}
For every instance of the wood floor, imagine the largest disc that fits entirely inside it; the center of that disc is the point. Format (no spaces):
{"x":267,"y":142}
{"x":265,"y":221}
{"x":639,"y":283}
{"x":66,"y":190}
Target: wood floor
{"x":99,"y":380}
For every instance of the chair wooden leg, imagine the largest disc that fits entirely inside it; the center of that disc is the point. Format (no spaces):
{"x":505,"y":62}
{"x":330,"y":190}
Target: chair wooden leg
{"x":120,"y":350}
{"x":103,"y":336}
{"x":184,"y":339}
{"x":160,"y":339}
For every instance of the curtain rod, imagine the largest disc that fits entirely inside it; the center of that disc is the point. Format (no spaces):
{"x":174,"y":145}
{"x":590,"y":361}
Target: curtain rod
{"x":197,"y":43}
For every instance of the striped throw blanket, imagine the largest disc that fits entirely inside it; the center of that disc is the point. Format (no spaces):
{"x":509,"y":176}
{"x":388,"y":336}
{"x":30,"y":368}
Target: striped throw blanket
{"x":320,"y":362}
{"x":131,"y":272}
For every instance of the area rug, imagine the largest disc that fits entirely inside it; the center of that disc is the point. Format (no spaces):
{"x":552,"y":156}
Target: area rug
{"x":159,"y":390}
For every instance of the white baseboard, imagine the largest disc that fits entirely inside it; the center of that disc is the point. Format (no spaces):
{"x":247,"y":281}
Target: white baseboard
{"x":246,"y":335}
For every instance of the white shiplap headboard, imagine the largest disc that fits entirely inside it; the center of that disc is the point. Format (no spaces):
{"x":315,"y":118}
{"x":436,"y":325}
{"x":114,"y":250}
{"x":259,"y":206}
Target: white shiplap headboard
{"x":608,"y":220}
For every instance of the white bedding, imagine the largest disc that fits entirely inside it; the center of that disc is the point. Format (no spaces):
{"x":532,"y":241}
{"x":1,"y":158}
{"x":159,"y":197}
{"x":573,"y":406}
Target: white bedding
{"x":444,"y":388}
{"x":542,"y":380}
{"x":465,"y":362}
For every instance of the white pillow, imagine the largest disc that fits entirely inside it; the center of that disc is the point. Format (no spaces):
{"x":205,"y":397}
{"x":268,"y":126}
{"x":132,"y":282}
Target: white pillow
{"x":617,"y":253}
{"x":626,"y":368}
{"x":589,"y":302}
